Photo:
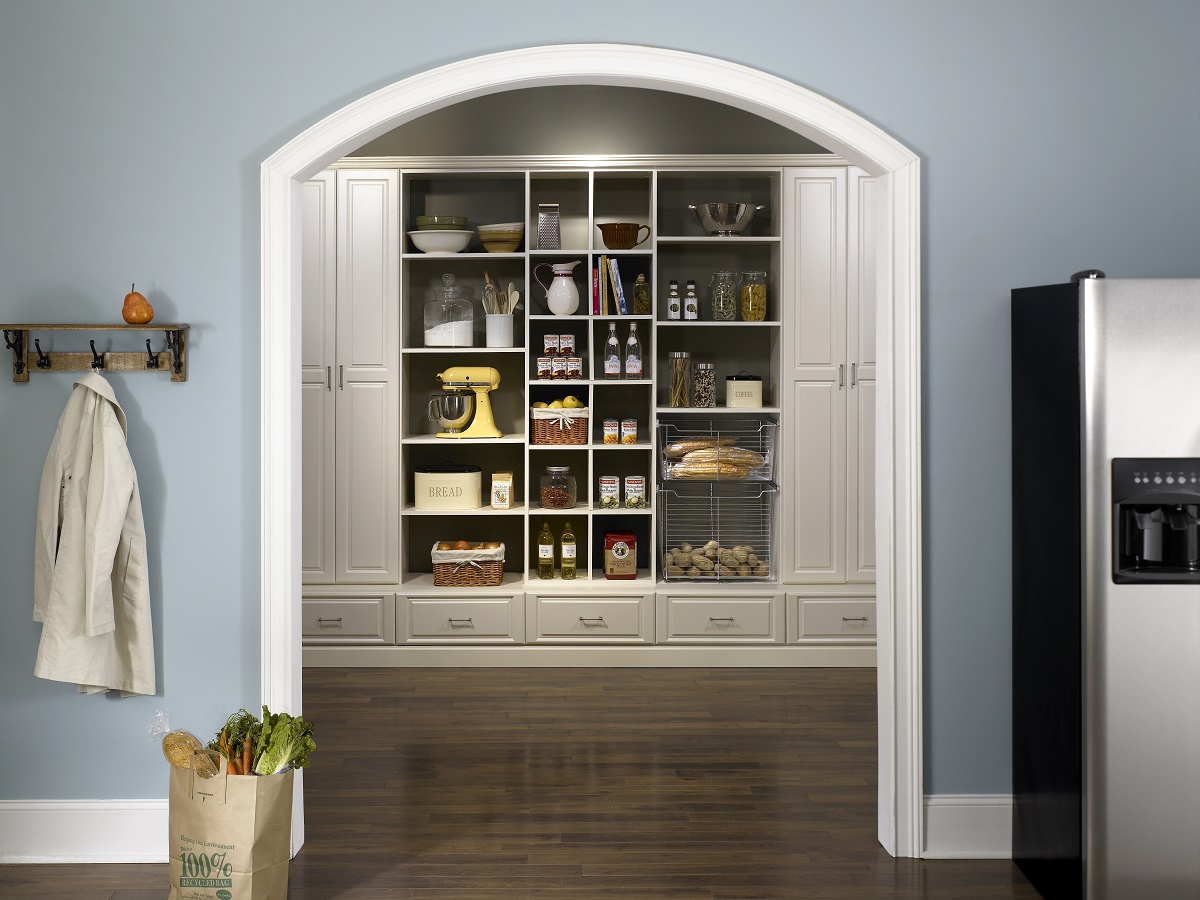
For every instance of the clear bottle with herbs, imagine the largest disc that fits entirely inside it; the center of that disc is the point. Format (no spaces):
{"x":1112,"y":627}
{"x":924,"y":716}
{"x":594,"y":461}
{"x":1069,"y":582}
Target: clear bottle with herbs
{"x":722,"y":289}
{"x":567,"y":552}
{"x":754,"y":296}
{"x":641,"y":296}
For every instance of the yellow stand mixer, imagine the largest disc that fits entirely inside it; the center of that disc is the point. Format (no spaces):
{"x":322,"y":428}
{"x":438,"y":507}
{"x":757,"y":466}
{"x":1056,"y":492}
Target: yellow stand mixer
{"x":457,"y":382}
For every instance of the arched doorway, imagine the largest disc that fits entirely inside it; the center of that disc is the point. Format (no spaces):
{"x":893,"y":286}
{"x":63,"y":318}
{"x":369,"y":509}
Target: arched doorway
{"x":898,"y":472}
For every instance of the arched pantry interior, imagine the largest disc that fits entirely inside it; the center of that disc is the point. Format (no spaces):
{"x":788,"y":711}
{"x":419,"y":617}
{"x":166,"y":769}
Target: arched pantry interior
{"x":794,"y":110}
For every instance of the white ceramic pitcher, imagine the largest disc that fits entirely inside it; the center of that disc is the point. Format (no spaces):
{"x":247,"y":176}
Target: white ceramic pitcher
{"x":562,"y":296}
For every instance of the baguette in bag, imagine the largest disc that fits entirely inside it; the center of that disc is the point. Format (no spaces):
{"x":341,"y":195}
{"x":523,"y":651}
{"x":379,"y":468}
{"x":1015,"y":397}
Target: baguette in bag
{"x":736,"y":455}
{"x":680,"y":449}
{"x":714,"y":468}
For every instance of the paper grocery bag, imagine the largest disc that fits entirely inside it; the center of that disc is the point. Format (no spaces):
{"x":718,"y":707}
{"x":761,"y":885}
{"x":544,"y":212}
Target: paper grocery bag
{"x":230,"y":836}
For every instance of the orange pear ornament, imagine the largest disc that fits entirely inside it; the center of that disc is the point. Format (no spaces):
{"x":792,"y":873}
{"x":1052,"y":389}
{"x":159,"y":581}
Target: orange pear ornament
{"x":136,"y":309}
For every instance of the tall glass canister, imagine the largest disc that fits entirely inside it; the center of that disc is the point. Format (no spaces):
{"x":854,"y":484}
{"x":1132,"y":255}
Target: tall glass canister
{"x":722,"y":291}
{"x":679,"y":392}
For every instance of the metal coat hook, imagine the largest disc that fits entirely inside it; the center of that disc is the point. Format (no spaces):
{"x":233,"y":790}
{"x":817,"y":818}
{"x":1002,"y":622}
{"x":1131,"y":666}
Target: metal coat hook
{"x":43,"y":361}
{"x":97,"y":359}
{"x":151,"y":357}
{"x":174,"y":344}
{"x":16,"y":344}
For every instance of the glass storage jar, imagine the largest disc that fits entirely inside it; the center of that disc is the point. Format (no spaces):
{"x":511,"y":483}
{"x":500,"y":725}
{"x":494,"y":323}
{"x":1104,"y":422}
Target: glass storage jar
{"x":449,"y":317}
{"x":704,"y":385}
{"x":754,"y":296}
{"x":722,"y":291}
{"x":558,"y":488}
{"x":679,"y":391}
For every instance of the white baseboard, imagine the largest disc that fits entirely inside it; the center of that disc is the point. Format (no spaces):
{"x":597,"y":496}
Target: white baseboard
{"x":83,"y":831}
{"x":968,"y":826}
{"x":957,"y":826}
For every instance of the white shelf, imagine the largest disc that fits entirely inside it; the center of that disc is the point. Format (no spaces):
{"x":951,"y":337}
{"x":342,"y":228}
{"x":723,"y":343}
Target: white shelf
{"x":719,"y":239}
{"x":488,"y":350}
{"x":434,"y":439}
{"x":518,"y":509}
{"x":701,"y":323}
{"x":723,"y":411}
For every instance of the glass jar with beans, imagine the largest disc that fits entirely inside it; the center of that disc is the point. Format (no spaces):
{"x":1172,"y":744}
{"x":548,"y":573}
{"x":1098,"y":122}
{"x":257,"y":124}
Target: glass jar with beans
{"x":704,"y":385}
{"x":557,"y":488}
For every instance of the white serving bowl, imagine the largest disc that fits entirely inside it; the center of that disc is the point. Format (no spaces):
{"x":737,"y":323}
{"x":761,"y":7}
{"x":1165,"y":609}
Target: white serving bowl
{"x":441,"y":241}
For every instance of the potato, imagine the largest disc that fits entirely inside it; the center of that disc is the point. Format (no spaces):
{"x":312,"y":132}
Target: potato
{"x":751,"y":559}
{"x":744,"y":570}
{"x":675,"y":571}
{"x":712,"y":553}
{"x":728,"y":558}
{"x":762,"y":570}
{"x":685,"y":547}
{"x":739,"y":554}
{"x":703,"y":563}
{"x":712,"y":545}
{"x":693,"y":572}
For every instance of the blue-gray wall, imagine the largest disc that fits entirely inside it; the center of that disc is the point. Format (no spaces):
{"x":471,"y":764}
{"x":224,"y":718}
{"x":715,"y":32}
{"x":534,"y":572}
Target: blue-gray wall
{"x":1054,"y":136}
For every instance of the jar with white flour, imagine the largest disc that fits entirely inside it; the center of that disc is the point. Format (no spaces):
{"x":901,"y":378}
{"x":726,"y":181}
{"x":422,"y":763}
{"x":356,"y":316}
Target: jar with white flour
{"x":449,"y":317}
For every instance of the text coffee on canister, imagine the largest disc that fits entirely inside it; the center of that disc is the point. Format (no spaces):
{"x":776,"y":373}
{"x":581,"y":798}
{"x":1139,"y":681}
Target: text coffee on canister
{"x":743,"y":389}
{"x":620,"y":555}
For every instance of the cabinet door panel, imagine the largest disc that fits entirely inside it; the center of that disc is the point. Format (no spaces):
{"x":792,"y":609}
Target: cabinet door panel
{"x":860,"y":482}
{"x":367,"y":460}
{"x":318,"y":293}
{"x":815,"y":263}
{"x":316,"y":483}
{"x":815,"y":515}
{"x":368,"y":272}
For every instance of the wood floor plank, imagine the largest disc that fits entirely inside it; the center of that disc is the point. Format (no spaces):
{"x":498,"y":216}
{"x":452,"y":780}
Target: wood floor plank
{"x":570,"y":784}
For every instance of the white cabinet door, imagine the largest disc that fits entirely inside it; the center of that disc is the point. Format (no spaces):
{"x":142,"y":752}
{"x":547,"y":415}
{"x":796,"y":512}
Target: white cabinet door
{"x":814,"y":484}
{"x":862,"y":221}
{"x":366,"y":378}
{"x":318,"y":292}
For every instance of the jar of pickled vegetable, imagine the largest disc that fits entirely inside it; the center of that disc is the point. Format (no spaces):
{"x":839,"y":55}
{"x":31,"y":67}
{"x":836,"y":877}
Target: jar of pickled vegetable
{"x":754,"y":296}
{"x":722,"y":291}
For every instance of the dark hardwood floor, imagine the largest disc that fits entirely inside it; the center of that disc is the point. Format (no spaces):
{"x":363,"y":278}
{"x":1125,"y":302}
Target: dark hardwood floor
{"x":499,"y":784}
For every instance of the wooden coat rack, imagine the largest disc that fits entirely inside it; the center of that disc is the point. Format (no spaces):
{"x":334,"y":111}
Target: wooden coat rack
{"x":29,"y":357}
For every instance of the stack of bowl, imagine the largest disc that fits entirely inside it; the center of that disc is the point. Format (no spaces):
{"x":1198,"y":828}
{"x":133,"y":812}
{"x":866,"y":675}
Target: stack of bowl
{"x":504,"y":237}
{"x":441,"y":234}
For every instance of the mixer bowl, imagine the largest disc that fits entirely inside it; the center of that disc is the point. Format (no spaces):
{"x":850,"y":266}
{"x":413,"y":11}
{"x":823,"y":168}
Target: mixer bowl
{"x":725,"y":218}
{"x":452,"y":410}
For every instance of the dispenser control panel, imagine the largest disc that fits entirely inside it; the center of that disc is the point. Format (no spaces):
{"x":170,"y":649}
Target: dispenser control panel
{"x":1156,"y":520}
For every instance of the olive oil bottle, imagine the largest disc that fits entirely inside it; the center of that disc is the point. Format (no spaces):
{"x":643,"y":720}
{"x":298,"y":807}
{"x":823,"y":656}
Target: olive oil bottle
{"x":545,"y":552}
{"x":567,"y":552}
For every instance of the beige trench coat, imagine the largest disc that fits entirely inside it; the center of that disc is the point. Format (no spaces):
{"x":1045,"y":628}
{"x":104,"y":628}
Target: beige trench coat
{"x":90,"y":586}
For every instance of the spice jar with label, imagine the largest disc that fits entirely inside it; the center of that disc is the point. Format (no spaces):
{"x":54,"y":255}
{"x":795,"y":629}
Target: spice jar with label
{"x":557,"y":488}
{"x":704,"y":385}
{"x":722,"y":291}
{"x":754,"y":296}
{"x":641,"y":296}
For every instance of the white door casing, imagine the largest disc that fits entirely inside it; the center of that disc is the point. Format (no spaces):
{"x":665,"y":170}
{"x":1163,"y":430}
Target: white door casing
{"x":897,"y":407}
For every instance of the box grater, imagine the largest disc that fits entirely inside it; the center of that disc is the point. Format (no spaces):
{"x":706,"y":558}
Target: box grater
{"x":549,"y":237}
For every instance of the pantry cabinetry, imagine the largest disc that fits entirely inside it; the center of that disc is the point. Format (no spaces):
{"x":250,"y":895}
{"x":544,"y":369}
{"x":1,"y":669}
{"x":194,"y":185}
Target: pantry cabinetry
{"x":350,"y":376}
{"x":828,"y":482}
{"x":688,"y":494}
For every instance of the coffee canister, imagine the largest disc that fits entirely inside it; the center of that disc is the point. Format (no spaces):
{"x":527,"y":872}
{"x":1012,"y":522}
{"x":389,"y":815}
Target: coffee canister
{"x":743,"y":389}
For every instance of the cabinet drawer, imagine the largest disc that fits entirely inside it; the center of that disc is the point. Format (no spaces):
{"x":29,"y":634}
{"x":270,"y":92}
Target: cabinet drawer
{"x":591,"y":619}
{"x":837,"y":618}
{"x":462,"y":619}
{"x":348,"y":620}
{"x":684,"y":619}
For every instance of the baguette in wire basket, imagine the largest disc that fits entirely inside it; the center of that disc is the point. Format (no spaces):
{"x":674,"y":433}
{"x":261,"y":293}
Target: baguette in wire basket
{"x":712,"y":468}
{"x":680,"y":449}
{"x":739,"y":456}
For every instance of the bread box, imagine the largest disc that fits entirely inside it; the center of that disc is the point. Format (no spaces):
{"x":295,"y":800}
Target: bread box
{"x":447,"y":486}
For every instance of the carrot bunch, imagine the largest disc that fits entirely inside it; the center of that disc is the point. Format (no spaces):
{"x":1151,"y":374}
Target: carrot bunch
{"x":236,"y":742}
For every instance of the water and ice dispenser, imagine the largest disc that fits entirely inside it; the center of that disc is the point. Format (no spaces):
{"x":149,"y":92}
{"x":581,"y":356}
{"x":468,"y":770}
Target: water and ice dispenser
{"x":1156,"y":520}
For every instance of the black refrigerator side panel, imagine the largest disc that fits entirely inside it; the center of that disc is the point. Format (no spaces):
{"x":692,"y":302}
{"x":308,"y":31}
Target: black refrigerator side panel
{"x":1047,"y":589}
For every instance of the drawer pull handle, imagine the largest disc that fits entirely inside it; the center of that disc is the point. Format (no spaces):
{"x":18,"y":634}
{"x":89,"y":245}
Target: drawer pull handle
{"x":856,"y":619}
{"x":598,"y":620}
{"x":728,"y":619}
{"x":457,"y":622}
{"x":337,"y":621}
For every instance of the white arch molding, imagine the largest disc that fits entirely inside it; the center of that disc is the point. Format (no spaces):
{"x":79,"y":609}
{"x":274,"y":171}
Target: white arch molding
{"x":898,"y":456}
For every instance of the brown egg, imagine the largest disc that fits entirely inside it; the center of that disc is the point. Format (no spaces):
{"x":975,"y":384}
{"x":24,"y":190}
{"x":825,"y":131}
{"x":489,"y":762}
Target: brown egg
{"x":445,"y":545}
{"x":462,"y":545}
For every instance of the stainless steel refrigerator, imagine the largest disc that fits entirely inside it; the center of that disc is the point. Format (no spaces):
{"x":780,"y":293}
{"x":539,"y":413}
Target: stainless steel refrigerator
{"x":1106,"y":587}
